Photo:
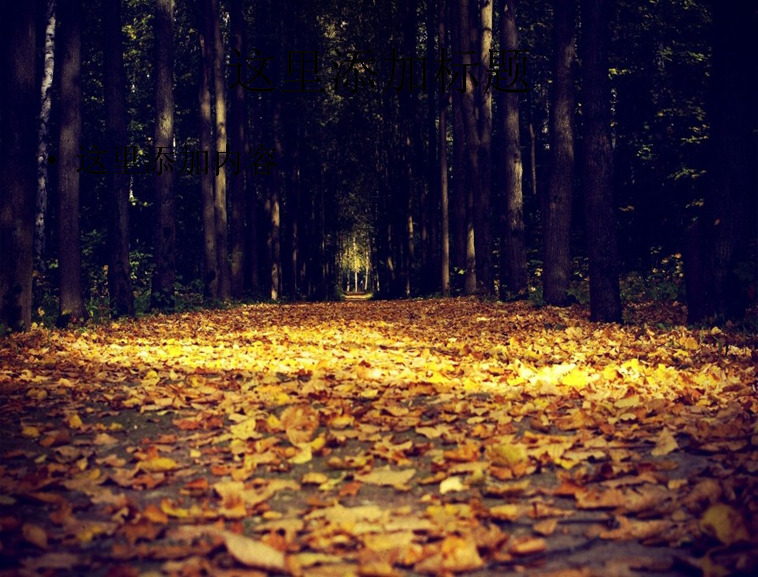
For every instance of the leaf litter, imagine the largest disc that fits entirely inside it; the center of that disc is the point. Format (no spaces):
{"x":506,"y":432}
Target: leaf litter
{"x":435,"y":437}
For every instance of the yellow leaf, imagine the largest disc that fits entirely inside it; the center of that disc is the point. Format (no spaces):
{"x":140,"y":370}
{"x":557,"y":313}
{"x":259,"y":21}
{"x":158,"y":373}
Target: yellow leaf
{"x":244,"y":430}
{"x":664,"y":444}
{"x":74,"y":421}
{"x":35,"y":535}
{"x":527,"y":545}
{"x":507,"y":512}
{"x":724,"y":523}
{"x":387,"y":476}
{"x":304,"y":456}
{"x":300,"y":423}
{"x":169,"y":509}
{"x":158,"y":465}
{"x":451,"y":484}
{"x":506,"y":454}
{"x":30,"y":431}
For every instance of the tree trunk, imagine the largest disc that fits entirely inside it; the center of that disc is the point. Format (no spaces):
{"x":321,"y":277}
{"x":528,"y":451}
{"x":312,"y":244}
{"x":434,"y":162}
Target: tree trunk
{"x":17,"y":165}
{"x":597,"y":163}
{"x":119,"y":281}
{"x":71,"y":304}
{"x":162,"y":294}
{"x":556,"y":208}
{"x":275,"y":270}
{"x":43,"y":136}
{"x":222,"y":147}
{"x":237,"y":186}
{"x":442,"y":152}
{"x":513,"y":280}
{"x":728,"y":228}
{"x":205,"y":161}
{"x":483,"y":102}
{"x":468,"y":177}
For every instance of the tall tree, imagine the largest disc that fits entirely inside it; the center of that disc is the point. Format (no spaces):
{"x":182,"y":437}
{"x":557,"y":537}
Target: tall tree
{"x":597,"y":163}
{"x":466,"y":173}
{"x":210,"y":253}
{"x":17,"y":165}
{"x":483,"y":167}
{"x":237,"y":187}
{"x":119,"y":281}
{"x":442,"y":152}
{"x":164,"y":276}
{"x":717,"y":288}
{"x":556,"y":206}
{"x":513,"y":273}
{"x":222,"y":234}
{"x":71,"y":303}
{"x":48,"y":70}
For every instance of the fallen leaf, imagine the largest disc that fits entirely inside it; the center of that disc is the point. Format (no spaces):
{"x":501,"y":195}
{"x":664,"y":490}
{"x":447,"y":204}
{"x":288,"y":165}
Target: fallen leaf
{"x":725,"y":523}
{"x":35,"y":535}
{"x":388,"y":476}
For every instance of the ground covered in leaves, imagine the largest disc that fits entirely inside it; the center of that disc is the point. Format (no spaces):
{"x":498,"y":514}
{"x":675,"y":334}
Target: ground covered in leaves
{"x":380,"y":438}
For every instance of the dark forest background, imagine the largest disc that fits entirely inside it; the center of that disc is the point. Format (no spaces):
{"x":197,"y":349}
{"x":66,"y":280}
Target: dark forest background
{"x":567,"y":151}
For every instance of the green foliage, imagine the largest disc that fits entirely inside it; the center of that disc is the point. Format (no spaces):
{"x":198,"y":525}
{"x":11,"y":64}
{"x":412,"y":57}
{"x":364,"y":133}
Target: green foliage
{"x":664,"y":282}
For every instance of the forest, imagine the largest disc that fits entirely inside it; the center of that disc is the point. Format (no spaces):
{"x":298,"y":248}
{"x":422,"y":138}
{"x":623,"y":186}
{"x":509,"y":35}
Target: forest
{"x":378,"y":288}
{"x":157,"y":154}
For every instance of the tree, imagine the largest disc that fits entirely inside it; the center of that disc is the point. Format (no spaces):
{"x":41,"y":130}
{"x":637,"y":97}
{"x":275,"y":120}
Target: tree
{"x":466,"y":138}
{"x":718,"y":269}
{"x":513,"y":275}
{"x":556,"y":206}
{"x":119,"y":282}
{"x":237,"y":196}
{"x":17,"y":164}
{"x":71,"y":301}
{"x":483,"y":165}
{"x":597,"y":163}
{"x":442,"y":151}
{"x":162,"y":294}
{"x":48,"y":70}
{"x":222,"y":235}
{"x":210,"y":253}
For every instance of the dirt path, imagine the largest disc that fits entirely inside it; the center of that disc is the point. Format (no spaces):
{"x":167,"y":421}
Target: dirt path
{"x":365,"y":438}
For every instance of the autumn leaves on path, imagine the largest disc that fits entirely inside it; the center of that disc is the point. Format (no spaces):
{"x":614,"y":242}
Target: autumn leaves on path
{"x":431,"y":437}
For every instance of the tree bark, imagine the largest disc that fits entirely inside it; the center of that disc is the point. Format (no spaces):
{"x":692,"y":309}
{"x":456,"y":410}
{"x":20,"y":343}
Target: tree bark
{"x":17,"y":165}
{"x":556,"y":208}
{"x":597,"y":163}
{"x":205,"y":160}
{"x":513,"y":280}
{"x":442,"y":152}
{"x":119,"y":281}
{"x":71,"y":303}
{"x":483,"y":102}
{"x":162,"y":294}
{"x":468,"y":177}
{"x":48,"y":69}
{"x":222,"y":234}
{"x":274,"y":241}
{"x":719,"y":269}
{"x":237,"y":187}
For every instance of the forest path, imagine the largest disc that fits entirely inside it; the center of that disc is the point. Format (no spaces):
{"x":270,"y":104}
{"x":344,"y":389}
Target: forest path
{"x":432,"y":437}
